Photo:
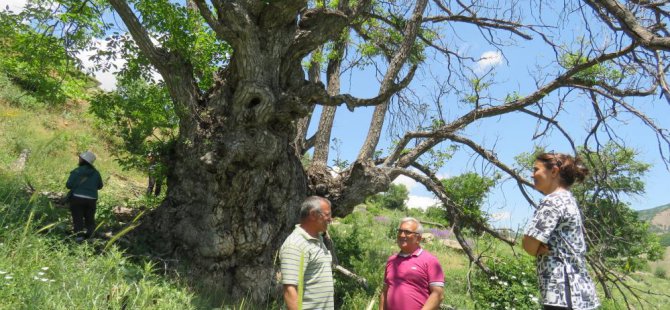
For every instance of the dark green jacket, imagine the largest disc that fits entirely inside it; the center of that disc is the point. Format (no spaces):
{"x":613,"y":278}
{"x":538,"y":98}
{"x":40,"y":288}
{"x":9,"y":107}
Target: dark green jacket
{"x":86,"y":187}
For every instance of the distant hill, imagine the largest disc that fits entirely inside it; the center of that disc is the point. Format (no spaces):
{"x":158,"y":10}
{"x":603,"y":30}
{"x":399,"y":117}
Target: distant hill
{"x":659,"y":218}
{"x":649,"y":214}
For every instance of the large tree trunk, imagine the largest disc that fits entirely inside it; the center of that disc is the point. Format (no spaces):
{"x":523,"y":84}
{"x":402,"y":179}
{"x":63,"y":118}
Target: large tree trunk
{"x":232,"y":200}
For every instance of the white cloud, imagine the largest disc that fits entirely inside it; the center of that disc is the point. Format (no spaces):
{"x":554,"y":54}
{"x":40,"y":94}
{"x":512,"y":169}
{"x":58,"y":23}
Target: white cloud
{"x":407,"y":181}
{"x":489,"y":59}
{"x":442,"y":176}
{"x":501,"y":216}
{"x":421,"y":202}
{"x":15,"y":6}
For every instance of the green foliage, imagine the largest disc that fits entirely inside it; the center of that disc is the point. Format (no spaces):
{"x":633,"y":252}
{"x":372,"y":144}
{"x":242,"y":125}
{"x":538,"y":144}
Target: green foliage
{"x":513,"y":285}
{"x":394,"y":198}
{"x":363,"y":249}
{"x":468,"y":191}
{"x":601,"y":72}
{"x":664,"y":239}
{"x":660,"y":273}
{"x":37,"y":60}
{"x":15,"y":95}
{"x":437,"y":214}
{"x":383,"y":38}
{"x":182,"y":31}
{"x":142,"y":117}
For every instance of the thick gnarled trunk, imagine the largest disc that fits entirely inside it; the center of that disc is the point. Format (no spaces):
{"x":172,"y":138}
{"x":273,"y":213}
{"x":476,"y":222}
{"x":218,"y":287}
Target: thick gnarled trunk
{"x":232,"y":199}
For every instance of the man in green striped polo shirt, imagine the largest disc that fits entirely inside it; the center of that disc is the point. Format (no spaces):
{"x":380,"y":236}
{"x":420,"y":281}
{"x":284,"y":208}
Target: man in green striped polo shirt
{"x":305,"y":260}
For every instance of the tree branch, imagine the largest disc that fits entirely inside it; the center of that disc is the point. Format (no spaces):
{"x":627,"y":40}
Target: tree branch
{"x":630,"y":25}
{"x":395,"y":65}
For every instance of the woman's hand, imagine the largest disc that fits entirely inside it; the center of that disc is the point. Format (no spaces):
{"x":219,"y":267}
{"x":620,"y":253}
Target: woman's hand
{"x":543,"y":249}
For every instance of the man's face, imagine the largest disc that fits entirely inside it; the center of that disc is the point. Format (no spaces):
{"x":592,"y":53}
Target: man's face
{"x":407,"y":238}
{"x":324,"y":217}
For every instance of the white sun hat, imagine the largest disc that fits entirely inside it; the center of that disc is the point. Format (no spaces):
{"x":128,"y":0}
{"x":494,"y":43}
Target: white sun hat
{"x":87,"y":156}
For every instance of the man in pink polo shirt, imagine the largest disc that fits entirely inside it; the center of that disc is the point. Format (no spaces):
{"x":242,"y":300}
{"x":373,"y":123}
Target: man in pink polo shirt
{"x":413,"y":278}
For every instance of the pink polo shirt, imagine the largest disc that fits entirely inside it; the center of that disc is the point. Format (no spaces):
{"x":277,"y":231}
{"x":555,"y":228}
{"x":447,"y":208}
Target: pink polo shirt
{"x":409,"y":279}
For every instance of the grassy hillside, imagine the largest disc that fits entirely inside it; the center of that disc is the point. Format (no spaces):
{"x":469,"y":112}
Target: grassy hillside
{"x":41,"y":269}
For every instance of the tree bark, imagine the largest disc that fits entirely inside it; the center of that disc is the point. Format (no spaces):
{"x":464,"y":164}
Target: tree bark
{"x":227,"y":217}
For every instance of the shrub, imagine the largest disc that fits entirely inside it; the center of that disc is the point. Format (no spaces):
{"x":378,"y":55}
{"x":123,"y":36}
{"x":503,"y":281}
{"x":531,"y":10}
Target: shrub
{"x":513,"y":285}
{"x":660,"y":273}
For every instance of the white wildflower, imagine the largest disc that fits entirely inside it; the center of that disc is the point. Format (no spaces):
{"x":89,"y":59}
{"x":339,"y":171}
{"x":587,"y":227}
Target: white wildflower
{"x":45,"y":268}
{"x":513,"y":278}
{"x":8,"y":277}
{"x":40,"y":273}
{"x":44,"y":279}
{"x":3,"y":272}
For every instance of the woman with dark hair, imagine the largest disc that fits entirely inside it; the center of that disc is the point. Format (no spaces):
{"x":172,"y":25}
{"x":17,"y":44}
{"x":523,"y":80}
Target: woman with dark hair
{"x":84,"y":183}
{"x":555,"y":235}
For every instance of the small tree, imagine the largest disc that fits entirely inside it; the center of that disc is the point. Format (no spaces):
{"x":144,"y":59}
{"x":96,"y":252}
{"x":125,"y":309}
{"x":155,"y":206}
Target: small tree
{"x":468,"y":190}
{"x":393,"y":199}
{"x":618,"y":241}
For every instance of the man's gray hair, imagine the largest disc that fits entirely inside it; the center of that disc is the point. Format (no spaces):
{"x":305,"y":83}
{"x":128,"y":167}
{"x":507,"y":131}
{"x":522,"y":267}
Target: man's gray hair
{"x":311,"y":203}
{"x":419,"y":227}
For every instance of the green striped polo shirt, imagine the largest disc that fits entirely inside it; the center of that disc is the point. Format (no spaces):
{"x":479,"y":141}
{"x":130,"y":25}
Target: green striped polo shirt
{"x":318,"y":274}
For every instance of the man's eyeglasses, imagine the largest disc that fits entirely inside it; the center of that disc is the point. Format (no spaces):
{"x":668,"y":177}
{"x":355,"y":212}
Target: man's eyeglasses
{"x":406,"y":232}
{"x":324,"y":214}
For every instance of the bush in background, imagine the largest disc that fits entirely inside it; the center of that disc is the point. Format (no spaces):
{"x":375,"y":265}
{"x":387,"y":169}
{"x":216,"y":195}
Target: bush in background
{"x":513,"y":285}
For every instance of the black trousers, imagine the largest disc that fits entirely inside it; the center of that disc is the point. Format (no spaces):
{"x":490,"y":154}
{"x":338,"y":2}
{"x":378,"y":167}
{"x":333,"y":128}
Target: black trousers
{"x":83,"y":215}
{"x":546,"y":307}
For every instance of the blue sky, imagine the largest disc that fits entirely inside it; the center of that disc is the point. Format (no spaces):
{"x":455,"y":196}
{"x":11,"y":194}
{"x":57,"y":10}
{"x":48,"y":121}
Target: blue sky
{"x":510,"y":134}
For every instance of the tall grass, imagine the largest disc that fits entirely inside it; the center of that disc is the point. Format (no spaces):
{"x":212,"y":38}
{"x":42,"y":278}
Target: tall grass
{"x":45,"y":271}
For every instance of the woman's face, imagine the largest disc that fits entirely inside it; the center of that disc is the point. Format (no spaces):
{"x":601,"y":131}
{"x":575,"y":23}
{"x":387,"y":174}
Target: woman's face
{"x":545,"y":179}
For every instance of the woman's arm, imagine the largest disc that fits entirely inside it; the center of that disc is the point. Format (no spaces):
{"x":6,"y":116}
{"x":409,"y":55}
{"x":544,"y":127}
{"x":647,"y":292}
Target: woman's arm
{"x":533,"y":246}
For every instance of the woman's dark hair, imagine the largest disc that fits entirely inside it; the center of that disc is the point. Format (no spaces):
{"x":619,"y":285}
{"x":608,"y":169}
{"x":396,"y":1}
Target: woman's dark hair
{"x":570,"y":169}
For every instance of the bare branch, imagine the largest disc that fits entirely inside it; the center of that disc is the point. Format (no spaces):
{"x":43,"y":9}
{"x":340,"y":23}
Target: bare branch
{"x":395,"y":65}
{"x":439,"y":134}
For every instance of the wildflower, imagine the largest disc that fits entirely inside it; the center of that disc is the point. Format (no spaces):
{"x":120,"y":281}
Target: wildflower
{"x":45,"y":268}
{"x":3,"y":272}
{"x":36,"y":278}
{"x":40,"y":273}
{"x":513,"y":277}
{"x":44,"y":279}
{"x":8,"y":277}
{"x":52,"y":280}
{"x":494,"y":277}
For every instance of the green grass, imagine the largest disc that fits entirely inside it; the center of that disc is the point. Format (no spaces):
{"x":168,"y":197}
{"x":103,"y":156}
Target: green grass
{"x":43,"y":269}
